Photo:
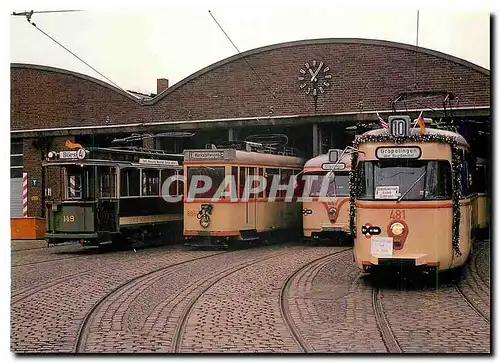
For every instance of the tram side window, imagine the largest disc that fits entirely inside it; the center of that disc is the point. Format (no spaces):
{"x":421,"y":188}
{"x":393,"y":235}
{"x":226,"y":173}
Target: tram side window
{"x":364,"y":188}
{"x":130,"y":183}
{"x":150,"y":182}
{"x":481,"y":177}
{"x":213,"y":175}
{"x":285,"y":179}
{"x":471,"y":166}
{"x":300,"y":182}
{"x":261,"y":177}
{"x":242,"y":180}
{"x":106,"y":182}
{"x":252,"y":173}
{"x":234,"y":181}
{"x":270,"y":173}
{"x":438,"y":180}
{"x":466,"y":182}
{"x":174,"y":186}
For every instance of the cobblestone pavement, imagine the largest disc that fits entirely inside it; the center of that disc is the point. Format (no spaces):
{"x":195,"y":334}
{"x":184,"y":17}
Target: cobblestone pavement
{"x":242,"y":312}
{"x":283,"y":298}
{"x":46,"y":315}
{"x":451,"y":318}
{"x":145,"y":316}
{"x":334,"y":309}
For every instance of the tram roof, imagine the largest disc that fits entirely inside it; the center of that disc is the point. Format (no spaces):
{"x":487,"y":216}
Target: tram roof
{"x":229,"y":156}
{"x":416,"y":131}
{"x":315,"y":163}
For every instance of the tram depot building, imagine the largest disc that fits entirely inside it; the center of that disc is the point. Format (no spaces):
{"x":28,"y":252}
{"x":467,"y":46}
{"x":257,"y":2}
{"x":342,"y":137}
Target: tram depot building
{"x":318,"y":93}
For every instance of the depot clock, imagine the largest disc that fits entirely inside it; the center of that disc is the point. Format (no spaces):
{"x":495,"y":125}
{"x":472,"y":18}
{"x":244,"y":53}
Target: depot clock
{"x":314,"y":77}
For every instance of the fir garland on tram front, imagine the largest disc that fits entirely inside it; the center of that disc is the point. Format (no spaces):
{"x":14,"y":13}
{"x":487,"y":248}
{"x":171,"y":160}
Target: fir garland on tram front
{"x":455,"y":164}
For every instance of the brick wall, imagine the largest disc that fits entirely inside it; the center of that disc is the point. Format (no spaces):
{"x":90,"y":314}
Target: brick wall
{"x":364,"y":77}
{"x":35,"y":150}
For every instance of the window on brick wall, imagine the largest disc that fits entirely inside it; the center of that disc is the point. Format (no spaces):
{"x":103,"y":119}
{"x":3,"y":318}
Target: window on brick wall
{"x":16,"y":159}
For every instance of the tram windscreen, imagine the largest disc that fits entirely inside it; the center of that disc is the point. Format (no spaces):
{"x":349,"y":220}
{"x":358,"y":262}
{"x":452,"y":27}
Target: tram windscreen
{"x":338,"y":186}
{"x":79,"y":183}
{"x":404,"y":180}
{"x":199,"y":178}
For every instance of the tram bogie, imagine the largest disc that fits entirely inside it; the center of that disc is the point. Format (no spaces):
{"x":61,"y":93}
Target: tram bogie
{"x":112,"y":195}
{"x":413,"y":199}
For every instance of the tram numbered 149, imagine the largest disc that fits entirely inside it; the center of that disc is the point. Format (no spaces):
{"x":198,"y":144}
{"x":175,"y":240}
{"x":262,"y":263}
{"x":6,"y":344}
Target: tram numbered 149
{"x":413,"y":201}
{"x":112,"y":195}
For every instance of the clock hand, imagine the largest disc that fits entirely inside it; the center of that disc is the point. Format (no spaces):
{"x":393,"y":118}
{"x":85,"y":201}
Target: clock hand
{"x":317,"y":71}
{"x":312,"y":74}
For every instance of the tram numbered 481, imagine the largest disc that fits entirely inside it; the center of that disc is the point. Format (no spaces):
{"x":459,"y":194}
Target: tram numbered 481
{"x":413,"y":199}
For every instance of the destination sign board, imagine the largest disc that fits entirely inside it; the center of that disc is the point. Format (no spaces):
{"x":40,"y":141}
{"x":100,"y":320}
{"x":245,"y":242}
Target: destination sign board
{"x":227,"y":154}
{"x":72,"y":154}
{"x":410,"y":152}
{"x":333,"y":166}
{"x":159,"y":162}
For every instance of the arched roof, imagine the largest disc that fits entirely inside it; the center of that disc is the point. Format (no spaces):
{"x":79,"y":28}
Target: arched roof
{"x":76,"y":75}
{"x":255,"y":51}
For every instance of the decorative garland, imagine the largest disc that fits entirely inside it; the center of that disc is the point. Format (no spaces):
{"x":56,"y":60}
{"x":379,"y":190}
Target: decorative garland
{"x":455,"y":164}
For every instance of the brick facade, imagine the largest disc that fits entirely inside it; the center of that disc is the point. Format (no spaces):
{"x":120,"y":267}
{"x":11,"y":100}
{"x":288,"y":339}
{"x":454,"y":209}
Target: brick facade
{"x":365,"y":77}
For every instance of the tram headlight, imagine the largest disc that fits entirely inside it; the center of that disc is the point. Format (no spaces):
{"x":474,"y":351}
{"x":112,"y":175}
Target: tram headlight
{"x":332,"y":211}
{"x":397,"y":229}
{"x":51,"y":154}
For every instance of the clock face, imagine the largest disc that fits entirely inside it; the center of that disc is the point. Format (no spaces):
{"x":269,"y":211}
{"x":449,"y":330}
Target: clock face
{"x":314,"y":77}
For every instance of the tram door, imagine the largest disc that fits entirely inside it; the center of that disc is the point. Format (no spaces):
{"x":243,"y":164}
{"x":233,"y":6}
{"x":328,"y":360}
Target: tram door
{"x":251,"y":205}
{"x":107,"y":206}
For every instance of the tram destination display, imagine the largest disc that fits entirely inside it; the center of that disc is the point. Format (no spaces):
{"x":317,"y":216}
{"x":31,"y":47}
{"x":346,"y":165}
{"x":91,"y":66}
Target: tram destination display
{"x":411,"y":152}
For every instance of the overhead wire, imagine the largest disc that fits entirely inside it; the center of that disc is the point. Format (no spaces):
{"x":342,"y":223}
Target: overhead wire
{"x":244,"y":58}
{"x":28,"y":19}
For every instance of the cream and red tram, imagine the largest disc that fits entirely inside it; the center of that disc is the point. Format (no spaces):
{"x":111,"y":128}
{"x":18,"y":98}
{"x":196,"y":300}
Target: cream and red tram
{"x":97,"y":195}
{"x":236,"y":208}
{"x":325,"y":206}
{"x":412,"y":198}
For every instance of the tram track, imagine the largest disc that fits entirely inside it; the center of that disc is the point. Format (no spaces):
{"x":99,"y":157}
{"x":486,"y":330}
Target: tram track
{"x":388,"y":337}
{"x":28,"y":249}
{"x":474,"y":306}
{"x":30,"y":291}
{"x":180,"y":327}
{"x":474,"y":290}
{"x":484,"y":280}
{"x":316,"y":264}
{"x":47,"y":261}
{"x":82,"y":334}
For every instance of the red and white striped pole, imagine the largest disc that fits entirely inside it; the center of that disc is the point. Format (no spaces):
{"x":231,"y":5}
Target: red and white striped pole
{"x":25,"y":194}
{"x":72,"y":186}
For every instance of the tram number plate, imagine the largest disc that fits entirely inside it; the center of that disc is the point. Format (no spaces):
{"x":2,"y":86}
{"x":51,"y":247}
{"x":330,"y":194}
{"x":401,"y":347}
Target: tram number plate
{"x":381,"y":246}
